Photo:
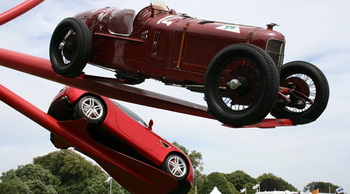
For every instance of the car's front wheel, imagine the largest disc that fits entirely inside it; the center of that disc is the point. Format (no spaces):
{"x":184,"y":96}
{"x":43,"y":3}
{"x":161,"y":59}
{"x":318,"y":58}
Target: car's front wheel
{"x":91,"y":108}
{"x":176,"y":166}
{"x":309,"y":93}
{"x":241,"y":85}
{"x":70,"y":47}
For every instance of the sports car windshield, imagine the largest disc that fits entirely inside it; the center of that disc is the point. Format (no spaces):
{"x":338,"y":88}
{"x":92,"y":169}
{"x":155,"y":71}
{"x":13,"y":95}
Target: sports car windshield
{"x":131,"y":114}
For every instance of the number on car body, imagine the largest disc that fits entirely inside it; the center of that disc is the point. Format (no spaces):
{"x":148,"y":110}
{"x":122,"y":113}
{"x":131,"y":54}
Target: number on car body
{"x":168,"y":20}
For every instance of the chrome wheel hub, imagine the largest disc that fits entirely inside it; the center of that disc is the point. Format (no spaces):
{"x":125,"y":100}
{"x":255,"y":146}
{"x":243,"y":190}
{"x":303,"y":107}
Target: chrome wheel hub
{"x":177,"y":166}
{"x":234,"y":84}
{"x":92,"y":108}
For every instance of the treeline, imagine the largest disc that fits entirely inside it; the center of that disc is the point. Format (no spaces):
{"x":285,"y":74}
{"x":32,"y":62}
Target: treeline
{"x":66,"y":171}
{"x":240,"y":182}
{"x":63,"y":172}
{"x":234,"y":182}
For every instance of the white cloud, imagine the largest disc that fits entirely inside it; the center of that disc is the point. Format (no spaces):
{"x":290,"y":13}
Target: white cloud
{"x":315,"y":31}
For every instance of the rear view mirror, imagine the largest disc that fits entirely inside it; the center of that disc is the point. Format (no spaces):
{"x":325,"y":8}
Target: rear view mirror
{"x":150,"y":124}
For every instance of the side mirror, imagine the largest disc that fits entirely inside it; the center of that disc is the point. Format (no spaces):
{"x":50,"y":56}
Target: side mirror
{"x":150,"y":124}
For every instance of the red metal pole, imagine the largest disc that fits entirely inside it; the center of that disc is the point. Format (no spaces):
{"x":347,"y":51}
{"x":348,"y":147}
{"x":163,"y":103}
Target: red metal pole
{"x":35,"y":114}
{"x":24,"y":107}
{"x":18,"y":10}
{"x":108,"y":87}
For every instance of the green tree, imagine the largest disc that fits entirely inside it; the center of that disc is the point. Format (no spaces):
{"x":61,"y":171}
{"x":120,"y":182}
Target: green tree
{"x":218,"y":180}
{"x":200,"y":182}
{"x":323,"y":187}
{"x":14,"y":186}
{"x":76,"y":173}
{"x":249,"y":187}
{"x":30,"y":177}
{"x":73,"y":170}
{"x":98,"y":184}
{"x":62,"y":171}
{"x":241,"y":180}
{"x":270,"y":182}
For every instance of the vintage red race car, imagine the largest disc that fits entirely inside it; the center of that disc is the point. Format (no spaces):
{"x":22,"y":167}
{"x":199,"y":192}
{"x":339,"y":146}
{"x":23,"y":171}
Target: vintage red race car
{"x":118,"y":128}
{"x":239,"y":68}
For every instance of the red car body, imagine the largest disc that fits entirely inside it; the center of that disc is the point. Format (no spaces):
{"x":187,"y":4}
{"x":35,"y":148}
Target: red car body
{"x":239,"y":68}
{"x":163,"y":45}
{"x":120,"y":130}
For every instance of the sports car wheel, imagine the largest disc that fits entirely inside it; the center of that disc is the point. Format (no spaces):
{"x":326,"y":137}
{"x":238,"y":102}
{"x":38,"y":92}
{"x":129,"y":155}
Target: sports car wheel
{"x":70,"y":47}
{"x":310,"y":96}
{"x":241,"y":85}
{"x":91,"y":108}
{"x":176,"y":166}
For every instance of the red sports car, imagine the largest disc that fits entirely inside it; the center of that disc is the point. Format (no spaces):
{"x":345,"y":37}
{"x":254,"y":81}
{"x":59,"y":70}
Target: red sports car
{"x":116,"y":127}
{"x":239,"y":68}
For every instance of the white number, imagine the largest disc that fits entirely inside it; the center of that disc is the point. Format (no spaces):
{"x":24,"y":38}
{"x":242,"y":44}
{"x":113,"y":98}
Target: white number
{"x":167,"y":20}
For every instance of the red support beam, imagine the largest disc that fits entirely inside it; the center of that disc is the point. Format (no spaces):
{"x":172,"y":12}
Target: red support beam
{"x":108,"y":87}
{"x":18,"y":10}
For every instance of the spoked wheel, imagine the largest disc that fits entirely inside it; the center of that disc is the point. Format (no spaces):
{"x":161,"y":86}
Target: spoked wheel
{"x":91,"y":108}
{"x":176,"y":166}
{"x":70,"y":47}
{"x":308,"y":96}
{"x":241,"y":85}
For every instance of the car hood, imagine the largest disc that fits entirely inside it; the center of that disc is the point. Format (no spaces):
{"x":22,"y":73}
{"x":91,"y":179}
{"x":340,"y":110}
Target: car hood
{"x":242,"y":33}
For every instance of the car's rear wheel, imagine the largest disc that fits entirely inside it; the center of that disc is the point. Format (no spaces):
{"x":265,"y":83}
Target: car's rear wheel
{"x":70,"y":47}
{"x":241,"y":85}
{"x":176,"y":166}
{"x":310,"y":96}
{"x":91,"y":108}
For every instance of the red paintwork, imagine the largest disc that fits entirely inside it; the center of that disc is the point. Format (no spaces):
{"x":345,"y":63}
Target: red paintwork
{"x":269,"y":123}
{"x":153,"y":48}
{"x":123,"y":128}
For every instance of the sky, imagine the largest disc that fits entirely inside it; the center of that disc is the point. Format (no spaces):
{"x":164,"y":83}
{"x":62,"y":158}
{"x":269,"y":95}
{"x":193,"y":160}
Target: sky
{"x":316,"y":31}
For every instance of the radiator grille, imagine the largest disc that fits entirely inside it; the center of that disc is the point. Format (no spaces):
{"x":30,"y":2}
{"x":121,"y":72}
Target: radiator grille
{"x":275,"y":48}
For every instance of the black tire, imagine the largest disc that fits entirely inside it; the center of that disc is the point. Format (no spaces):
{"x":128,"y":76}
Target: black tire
{"x":248,"y":103}
{"x":311,"y":82}
{"x":176,"y":166}
{"x":58,"y":142}
{"x":70,"y":47}
{"x":91,"y":108}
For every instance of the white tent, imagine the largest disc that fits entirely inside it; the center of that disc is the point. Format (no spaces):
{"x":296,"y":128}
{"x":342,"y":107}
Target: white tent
{"x":215,"y":191}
